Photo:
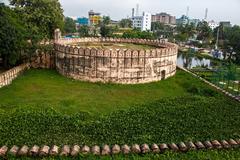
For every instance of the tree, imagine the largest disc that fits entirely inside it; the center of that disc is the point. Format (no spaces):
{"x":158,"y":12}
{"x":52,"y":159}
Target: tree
{"x":106,"y":20}
{"x":232,"y":41}
{"x":184,"y":32}
{"x":12,"y":36}
{"x":138,"y":34}
{"x":204,"y":32}
{"x":41,"y":17}
{"x":69,"y":25}
{"x":160,"y":30}
{"x":84,"y":31}
{"x":106,"y":31}
{"x":182,"y":37}
{"x":125,"y":23}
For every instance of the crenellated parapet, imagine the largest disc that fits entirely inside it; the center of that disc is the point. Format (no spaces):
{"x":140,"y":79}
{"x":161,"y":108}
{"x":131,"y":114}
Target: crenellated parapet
{"x":126,"y":66}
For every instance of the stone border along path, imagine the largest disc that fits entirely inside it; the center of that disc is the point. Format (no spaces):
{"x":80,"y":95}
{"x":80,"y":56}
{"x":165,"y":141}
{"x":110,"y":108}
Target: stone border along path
{"x":66,"y":150}
{"x":237,"y":98}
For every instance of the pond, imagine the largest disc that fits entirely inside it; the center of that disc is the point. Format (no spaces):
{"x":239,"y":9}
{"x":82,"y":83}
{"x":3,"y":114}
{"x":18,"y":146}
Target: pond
{"x":224,"y":76}
{"x":190,"y":61}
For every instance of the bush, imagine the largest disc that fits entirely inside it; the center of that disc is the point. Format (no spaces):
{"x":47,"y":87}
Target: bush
{"x":171,"y":120}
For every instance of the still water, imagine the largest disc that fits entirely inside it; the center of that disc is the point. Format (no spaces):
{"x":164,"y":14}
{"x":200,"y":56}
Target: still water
{"x":191,"y":61}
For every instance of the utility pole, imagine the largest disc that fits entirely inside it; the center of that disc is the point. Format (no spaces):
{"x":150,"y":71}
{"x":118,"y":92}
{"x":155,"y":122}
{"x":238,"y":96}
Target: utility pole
{"x":137,"y":10}
{"x":216,"y":45}
{"x":206,"y":14}
{"x":187,"y":11}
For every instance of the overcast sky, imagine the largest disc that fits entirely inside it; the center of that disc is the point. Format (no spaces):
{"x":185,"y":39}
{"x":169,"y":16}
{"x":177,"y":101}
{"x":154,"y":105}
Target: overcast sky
{"x":218,"y":10}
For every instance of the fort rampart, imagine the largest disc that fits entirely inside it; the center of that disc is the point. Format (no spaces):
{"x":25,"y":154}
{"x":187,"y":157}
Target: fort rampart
{"x":125,"y":66}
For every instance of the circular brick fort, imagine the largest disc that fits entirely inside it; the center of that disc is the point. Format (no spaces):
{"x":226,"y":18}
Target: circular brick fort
{"x":116,"y":65}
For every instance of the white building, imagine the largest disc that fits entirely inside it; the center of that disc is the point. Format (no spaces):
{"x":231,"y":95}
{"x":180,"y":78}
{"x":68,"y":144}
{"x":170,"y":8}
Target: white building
{"x":142,"y":22}
{"x":213,"y":24}
{"x":147,"y":20}
{"x":137,"y":22}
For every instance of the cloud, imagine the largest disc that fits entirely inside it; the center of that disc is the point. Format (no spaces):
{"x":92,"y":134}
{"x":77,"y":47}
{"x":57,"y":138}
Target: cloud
{"x":218,"y":9}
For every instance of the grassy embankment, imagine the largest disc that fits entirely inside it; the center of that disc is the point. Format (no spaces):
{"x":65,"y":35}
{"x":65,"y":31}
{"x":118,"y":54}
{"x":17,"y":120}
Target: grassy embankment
{"x":43,"y":107}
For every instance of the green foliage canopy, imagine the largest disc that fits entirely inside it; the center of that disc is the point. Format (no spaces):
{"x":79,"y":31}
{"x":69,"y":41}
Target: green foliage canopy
{"x":162,"y":31}
{"x":26,"y":25}
{"x":138,"y":34}
{"x":105,"y":29}
{"x":84,"y":31}
{"x":125,"y":23}
{"x":69,"y":25}
{"x":185,"y":32}
{"x":12,"y":36}
{"x":204,"y":32}
{"x":233,"y":40}
{"x":41,"y":17}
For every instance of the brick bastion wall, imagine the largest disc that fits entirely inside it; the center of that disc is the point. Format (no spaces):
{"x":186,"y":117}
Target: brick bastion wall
{"x":125,"y":66}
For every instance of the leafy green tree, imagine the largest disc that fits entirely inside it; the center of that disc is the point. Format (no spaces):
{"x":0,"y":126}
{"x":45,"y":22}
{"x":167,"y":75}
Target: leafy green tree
{"x":182,"y":37}
{"x":184,"y":32}
{"x":138,"y":34}
{"x":160,"y":30}
{"x":69,"y":25}
{"x":12,"y":36}
{"x":106,"y":31}
{"x":106,"y":20}
{"x":228,"y":42}
{"x":84,"y":31}
{"x":204,"y":32}
{"x":41,"y":17}
{"x":156,"y":26}
{"x":125,"y":23}
{"x":232,"y":42}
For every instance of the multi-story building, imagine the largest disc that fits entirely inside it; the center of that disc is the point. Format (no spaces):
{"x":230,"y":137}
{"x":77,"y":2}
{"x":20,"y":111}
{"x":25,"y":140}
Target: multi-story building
{"x":147,"y":20}
{"x":142,"y":22}
{"x":94,"y":18}
{"x":164,"y":18}
{"x":225,"y":24}
{"x":137,"y":22}
{"x":194,"y":22}
{"x":83,"y":21}
{"x":213,"y":24}
{"x":182,"y":20}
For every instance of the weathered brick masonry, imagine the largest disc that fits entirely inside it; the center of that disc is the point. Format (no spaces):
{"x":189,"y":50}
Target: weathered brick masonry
{"x":76,"y":150}
{"x":124,"y":66}
{"x":7,"y":77}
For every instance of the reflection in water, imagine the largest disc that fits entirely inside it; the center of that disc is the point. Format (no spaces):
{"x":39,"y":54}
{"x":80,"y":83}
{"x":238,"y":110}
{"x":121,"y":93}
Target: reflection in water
{"x":189,"y":61}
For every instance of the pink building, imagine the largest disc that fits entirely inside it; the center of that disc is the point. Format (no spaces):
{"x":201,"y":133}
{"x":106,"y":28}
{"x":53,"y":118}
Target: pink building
{"x":164,"y":18}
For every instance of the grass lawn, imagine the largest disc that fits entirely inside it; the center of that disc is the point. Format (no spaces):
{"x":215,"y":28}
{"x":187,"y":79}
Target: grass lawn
{"x":114,"y":45}
{"x":43,"y":107}
{"x":46,"y":88}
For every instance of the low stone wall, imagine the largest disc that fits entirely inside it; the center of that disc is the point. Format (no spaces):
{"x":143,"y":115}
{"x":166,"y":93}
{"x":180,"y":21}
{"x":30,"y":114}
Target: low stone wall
{"x":7,"y":77}
{"x":237,"y":98}
{"x":124,"y":66}
{"x":74,"y":151}
{"x":43,"y":60}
